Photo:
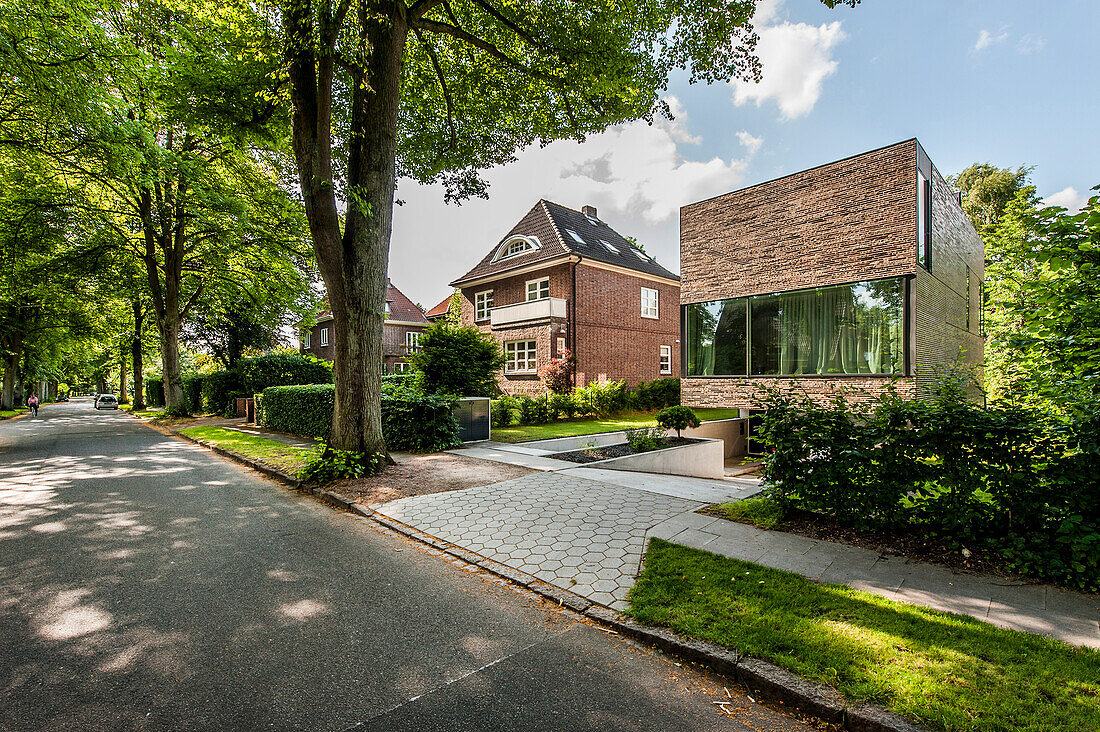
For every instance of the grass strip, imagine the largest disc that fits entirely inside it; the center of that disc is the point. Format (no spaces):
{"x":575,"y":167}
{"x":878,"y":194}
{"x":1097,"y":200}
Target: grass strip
{"x":946,"y":671}
{"x":4,"y":414}
{"x":593,"y":425}
{"x":287,"y":458}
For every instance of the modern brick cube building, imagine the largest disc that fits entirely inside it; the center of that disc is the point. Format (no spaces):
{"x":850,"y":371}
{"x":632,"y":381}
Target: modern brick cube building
{"x":564,"y":280}
{"x":853,"y":273}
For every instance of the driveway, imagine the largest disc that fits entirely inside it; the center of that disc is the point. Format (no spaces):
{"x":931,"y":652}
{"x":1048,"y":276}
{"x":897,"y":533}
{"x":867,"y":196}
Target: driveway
{"x":146,"y":583}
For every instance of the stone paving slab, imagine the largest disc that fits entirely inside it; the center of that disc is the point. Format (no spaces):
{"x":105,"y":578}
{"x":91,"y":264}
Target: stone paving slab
{"x":511,"y":457}
{"x":1035,"y":608}
{"x":707,"y":490}
{"x":580,"y":535}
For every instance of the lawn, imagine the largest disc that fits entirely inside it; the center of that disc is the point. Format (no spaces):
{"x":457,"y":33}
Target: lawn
{"x":949,"y":672}
{"x":287,"y":458}
{"x":147,"y":412}
{"x":592,"y":425}
{"x":12,"y":412}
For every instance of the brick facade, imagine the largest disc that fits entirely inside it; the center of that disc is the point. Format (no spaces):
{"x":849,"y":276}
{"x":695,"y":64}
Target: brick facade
{"x":848,"y":221}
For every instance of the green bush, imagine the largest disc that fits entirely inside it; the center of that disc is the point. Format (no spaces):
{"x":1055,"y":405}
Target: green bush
{"x":327,"y":464}
{"x":1008,"y":479}
{"x":601,"y":399}
{"x":217,"y":387}
{"x":503,"y":411}
{"x":456,"y":360}
{"x":154,"y":391}
{"x":645,"y":439}
{"x":536,"y":410}
{"x":677,"y":418}
{"x":192,"y":392}
{"x":564,"y":405}
{"x":409,"y":380}
{"x":283,"y":368}
{"x":656,"y":394}
{"x":410,"y":421}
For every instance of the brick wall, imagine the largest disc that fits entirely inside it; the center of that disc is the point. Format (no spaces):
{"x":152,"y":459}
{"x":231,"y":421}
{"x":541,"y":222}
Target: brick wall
{"x":393,"y":342}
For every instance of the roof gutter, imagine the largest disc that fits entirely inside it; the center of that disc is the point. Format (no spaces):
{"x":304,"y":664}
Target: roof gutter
{"x":519,"y":269}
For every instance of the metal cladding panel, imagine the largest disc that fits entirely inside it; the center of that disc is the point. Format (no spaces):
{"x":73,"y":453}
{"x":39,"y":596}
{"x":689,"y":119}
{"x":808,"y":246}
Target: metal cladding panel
{"x":472,"y":415}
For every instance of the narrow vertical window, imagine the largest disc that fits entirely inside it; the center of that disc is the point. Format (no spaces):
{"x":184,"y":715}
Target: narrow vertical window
{"x":412,"y":340}
{"x":649,"y":303}
{"x":924,"y":221}
{"x":968,"y":298}
{"x":666,"y":359}
{"x":305,"y":340}
{"x":483,"y":303}
{"x":324,"y":336}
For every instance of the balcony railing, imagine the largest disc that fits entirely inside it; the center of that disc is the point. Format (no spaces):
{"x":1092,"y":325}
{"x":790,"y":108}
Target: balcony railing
{"x":532,"y":310}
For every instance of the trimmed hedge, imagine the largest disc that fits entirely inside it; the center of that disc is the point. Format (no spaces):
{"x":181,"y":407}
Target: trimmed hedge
{"x":410,"y":421}
{"x":217,"y":389}
{"x":282,"y":369}
{"x":154,"y":391}
{"x":192,"y":392}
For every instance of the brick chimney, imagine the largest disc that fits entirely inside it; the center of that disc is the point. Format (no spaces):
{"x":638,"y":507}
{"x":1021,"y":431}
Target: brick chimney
{"x":589,"y":211}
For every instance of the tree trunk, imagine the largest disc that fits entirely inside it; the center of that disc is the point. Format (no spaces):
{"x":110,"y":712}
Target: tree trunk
{"x":354,"y":266}
{"x":169,"y":327}
{"x":136,"y":355}
{"x":11,"y":364}
{"x":123,"y":394}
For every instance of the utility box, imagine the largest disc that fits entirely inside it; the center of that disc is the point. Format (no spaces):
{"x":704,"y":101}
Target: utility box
{"x":472,"y":415}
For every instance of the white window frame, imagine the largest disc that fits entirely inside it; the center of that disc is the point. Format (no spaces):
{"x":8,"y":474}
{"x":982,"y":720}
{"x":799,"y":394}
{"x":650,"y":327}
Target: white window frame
{"x":653,"y":312}
{"x":400,"y":367}
{"x":541,"y":289}
{"x":516,"y":246}
{"x":324,"y":337}
{"x":483,"y":303}
{"x":519,"y":353}
{"x":561,"y":345}
{"x":412,"y":340}
{"x":666,"y":359}
{"x":305,"y":339}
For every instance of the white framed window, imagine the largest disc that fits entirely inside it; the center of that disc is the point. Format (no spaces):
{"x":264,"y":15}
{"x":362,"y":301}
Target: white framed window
{"x":666,"y":359}
{"x":650,"y":307}
{"x":412,"y":340}
{"x":400,"y":367}
{"x":305,"y":339}
{"x":483,"y":303}
{"x":561,"y":345}
{"x":324,"y":336}
{"x":517,"y":245}
{"x":521,"y":357}
{"x":538,"y":289}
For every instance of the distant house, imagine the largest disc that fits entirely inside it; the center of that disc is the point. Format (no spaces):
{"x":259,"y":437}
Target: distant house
{"x":563,"y":280}
{"x":847,"y":277}
{"x":400,"y":332}
{"x":439,"y":312}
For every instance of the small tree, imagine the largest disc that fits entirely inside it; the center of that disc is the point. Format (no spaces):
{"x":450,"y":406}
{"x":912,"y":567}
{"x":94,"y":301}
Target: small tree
{"x":677,"y":418}
{"x":557,"y":374}
{"x":458,"y":361}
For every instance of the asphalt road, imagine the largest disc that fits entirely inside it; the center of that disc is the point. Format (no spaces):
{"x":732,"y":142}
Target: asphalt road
{"x":146,"y":583}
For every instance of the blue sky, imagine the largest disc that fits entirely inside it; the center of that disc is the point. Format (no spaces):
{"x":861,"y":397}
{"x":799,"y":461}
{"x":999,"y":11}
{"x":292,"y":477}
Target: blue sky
{"x":1004,"y":81}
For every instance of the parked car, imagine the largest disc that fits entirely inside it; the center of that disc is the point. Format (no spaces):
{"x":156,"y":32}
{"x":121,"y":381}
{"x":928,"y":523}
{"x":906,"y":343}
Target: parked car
{"x":63,"y":398}
{"x":106,"y":401}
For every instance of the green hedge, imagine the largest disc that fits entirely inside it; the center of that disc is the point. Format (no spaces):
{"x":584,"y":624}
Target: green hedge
{"x":217,"y":389}
{"x":1011,"y":480}
{"x":192,"y":392}
{"x":282,"y":369}
{"x":154,"y":391}
{"x":410,"y":420}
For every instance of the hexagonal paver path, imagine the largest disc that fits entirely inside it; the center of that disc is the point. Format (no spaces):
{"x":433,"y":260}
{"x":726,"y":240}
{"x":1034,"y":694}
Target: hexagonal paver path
{"x":578,"y":534}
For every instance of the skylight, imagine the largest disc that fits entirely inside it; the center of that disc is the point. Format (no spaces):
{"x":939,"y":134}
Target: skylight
{"x":639,"y":255}
{"x":593,"y":220}
{"x":609,"y":246}
{"x":576,"y":237}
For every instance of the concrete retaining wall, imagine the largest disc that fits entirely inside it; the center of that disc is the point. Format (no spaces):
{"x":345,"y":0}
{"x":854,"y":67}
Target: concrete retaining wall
{"x":733,"y":432}
{"x":704,"y":459}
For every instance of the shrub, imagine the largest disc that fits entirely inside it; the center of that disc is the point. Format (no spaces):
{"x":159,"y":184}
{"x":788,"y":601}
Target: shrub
{"x":192,"y":392}
{"x":503,"y":411}
{"x":677,"y":418}
{"x":657,"y":394}
{"x":557,"y":374}
{"x":282,"y":368}
{"x":456,"y":360}
{"x":409,"y":380}
{"x":563,"y":404}
{"x":154,"y":391}
{"x":217,"y":387}
{"x":645,"y":439}
{"x":410,"y":421}
{"x":1008,"y":479}
{"x":327,"y":464}
{"x":601,"y":398}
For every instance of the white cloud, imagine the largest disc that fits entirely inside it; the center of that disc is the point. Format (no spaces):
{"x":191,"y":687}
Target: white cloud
{"x":1029,"y":44}
{"x":1067,"y":198}
{"x":635,"y":174}
{"x":749,"y":142}
{"x":987,"y":39}
{"x":795,"y":58}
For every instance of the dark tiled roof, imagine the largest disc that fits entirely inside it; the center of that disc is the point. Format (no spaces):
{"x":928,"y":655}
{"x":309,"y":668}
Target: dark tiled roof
{"x":554,"y":226}
{"x":401,"y":307}
{"x":439,"y":310}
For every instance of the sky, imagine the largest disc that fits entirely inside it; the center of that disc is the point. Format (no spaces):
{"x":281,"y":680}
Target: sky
{"x":1009,"y":82}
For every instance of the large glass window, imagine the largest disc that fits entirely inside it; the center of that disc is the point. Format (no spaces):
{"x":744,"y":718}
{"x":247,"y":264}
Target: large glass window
{"x":521,"y":357}
{"x":851,"y":329}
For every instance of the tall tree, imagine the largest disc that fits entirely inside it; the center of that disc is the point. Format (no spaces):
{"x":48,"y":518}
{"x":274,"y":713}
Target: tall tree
{"x":987,"y":190}
{"x":435,"y":90}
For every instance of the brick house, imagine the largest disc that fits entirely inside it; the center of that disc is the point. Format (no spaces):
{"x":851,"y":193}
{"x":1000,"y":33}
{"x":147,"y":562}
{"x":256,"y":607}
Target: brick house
{"x":565,"y":280}
{"x":440,"y":311}
{"x":849,"y":274}
{"x":400,"y":332}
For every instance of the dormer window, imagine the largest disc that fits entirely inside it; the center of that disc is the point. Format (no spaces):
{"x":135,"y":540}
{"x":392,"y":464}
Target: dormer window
{"x":517,"y":245}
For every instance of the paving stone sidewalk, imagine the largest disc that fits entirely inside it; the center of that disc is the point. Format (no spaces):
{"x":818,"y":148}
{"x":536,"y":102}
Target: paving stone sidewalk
{"x":1035,"y":608}
{"x":581,"y":535}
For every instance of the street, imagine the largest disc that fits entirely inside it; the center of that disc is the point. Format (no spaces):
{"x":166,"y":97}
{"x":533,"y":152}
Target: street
{"x":146,"y":583}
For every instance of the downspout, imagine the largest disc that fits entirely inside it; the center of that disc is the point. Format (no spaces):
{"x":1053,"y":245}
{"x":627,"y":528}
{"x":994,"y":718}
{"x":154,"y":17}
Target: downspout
{"x":573,"y":320}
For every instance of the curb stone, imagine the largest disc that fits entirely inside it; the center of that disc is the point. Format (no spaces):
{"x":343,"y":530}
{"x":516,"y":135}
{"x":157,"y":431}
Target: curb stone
{"x":764,"y":679}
